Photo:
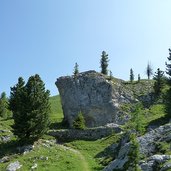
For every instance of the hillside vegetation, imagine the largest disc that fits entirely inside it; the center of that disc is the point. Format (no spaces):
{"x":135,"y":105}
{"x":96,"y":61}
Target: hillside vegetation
{"x":79,"y":154}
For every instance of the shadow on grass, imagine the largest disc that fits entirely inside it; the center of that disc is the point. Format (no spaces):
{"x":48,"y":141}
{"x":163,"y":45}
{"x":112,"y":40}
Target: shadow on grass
{"x":59,"y":125}
{"x":13,"y":147}
{"x":8,"y":148}
{"x":159,"y":121}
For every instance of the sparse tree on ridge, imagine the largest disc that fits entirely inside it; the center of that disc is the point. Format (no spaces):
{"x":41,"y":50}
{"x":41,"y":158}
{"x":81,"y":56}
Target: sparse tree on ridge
{"x":104,"y":63}
{"x":139,"y":78}
{"x":3,"y":105}
{"x":168,"y":66}
{"x":111,"y":75}
{"x":168,"y":72}
{"x":131,"y":75}
{"x":30,"y":106}
{"x":76,"y":69}
{"x":159,"y":81}
{"x":149,"y":71}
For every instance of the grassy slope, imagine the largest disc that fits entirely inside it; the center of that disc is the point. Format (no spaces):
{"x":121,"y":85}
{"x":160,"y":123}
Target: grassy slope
{"x":56,"y":109}
{"x":90,"y":156}
{"x":48,"y":159}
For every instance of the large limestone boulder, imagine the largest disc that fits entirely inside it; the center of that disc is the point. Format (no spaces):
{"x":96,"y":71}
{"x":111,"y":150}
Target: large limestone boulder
{"x":98,"y":98}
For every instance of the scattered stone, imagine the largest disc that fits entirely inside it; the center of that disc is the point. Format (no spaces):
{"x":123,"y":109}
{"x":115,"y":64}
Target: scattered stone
{"x":147,"y":166}
{"x":86,"y":134}
{"x":166,"y":166}
{"x":160,"y":158}
{"x":25,"y":149}
{"x":5,"y":159}
{"x":43,"y":158}
{"x":34,"y":166}
{"x":5,"y":131}
{"x":5,"y":138}
{"x":14,"y":166}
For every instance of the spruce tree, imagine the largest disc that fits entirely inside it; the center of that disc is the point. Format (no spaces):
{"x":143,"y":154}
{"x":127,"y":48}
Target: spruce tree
{"x":168,"y":72}
{"x":159,"y":81}
{"x":139,"y":78}
{"x":76,"y":69}
{"x":30,"y":106}
{"x":17,"y":106}
{"x":149,"y":71}
{"x":3,"y":105}
{"x":104,"y":63}
{"x":111,"y":75}
{"x":134,"y":153}
{"x":131,"y":75}
{"x":168,"y":66}
{"x":79,"y":122}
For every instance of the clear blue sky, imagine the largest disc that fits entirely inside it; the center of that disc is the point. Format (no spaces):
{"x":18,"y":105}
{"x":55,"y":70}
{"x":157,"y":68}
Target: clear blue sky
{"x":48,"y":36}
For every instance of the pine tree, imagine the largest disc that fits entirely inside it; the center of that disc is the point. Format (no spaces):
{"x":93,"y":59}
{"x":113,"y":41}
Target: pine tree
{"x":104,"y":63}
{"x":76,"y":70}
{"x":149,"y":71}
{"x":139,"y":78}
{"x":79,"y":122}
{"x":168,"y":98}
{"x":3,"y":106}
{"x":131,"y":75}
{"x":30,"y":106}
{"x":159,"y":81}
{"x":111,"y":75}
{"x":134,"y":153}
{"x":168,"y":66}
{"x":17,"y":106}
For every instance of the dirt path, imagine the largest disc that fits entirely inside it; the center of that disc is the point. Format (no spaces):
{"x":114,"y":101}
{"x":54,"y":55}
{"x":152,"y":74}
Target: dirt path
{"x":82,"y":158}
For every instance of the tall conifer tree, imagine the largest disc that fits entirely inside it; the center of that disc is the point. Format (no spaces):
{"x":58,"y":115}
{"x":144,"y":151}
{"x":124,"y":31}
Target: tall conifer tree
{"x":30,"y":106}
{"x":104,"y":63}
{"x":131,"y":75}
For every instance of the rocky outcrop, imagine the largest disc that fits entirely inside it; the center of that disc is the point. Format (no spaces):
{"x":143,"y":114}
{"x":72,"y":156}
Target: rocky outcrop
{"x":152,"y":162}
{"x":98,"y":98}
{"x":147,"y":145}
{"x":14,"y":166}
{"x":87,"y":134}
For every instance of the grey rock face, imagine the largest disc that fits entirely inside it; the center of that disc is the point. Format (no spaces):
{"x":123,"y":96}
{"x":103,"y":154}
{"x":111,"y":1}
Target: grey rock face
{"x":166,"y":166}
{"x":87,"y":134}
{"x":14,"y":166}
{"x":25,"y":149}
{"x":154,"y":161}
{"x":96,"y":97}
{"x":147,"y":148}
{"x":5,"y":159}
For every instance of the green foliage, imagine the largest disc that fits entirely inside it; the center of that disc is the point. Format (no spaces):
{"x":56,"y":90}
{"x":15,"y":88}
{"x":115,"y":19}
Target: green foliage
{"x":104,"y":63}
{"x":30,"y":106}
{"x":168,"y":66}
{"x":137,"y":119}
{"x":111,"y":75}
{"x":79,"y":122}
{"x":159,"y":82}
{"x":139,"y":78}
{"x":47,"y":157}
{"x":4,"y":112}
{"x":149,"y":70}
{"x":134,"y":153}
{"x":163,"y":147}
{"x":76,"y":70}
{"x":56,"y":113}
{"x":131,"y":75}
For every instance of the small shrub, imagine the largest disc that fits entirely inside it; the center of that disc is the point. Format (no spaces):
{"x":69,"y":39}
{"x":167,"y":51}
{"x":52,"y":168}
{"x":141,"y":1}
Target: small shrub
{"x":134,"y":154}
{"x":163,"y":147}
{"x":79,"y":122}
